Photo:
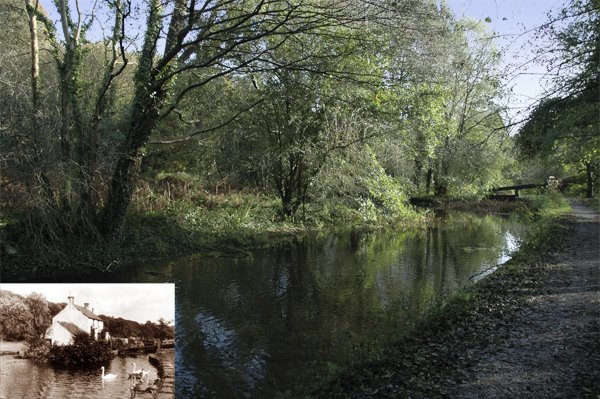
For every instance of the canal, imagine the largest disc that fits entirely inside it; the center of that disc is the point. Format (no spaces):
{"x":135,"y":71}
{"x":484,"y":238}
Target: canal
{"x":24,"y":379}
{"x":265,"y":325}
{"x":272,"y":323}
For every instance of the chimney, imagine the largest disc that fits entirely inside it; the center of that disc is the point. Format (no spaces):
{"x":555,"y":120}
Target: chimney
{"x":71,"y":300}
{"x":86,"y":305}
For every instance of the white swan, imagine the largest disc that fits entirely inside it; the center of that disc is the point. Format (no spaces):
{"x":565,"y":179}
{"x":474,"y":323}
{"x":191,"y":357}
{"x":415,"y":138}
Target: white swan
{"x":136,"y":373}
{"x":107,"y":376}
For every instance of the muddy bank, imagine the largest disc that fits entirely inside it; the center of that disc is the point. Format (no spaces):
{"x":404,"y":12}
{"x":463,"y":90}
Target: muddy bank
{"x":531,"y":330}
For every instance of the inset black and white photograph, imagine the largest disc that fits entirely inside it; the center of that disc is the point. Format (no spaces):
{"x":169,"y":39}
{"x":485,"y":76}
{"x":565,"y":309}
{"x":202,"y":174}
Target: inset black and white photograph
{"x":87,"y":341}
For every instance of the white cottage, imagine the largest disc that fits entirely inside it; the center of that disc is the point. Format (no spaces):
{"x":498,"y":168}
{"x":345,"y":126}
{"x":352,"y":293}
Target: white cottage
{"x":72,"y":320}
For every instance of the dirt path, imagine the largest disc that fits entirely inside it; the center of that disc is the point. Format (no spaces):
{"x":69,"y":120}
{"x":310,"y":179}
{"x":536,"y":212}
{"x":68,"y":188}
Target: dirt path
{"x":553,"y":350}
{"x":533,"y":332}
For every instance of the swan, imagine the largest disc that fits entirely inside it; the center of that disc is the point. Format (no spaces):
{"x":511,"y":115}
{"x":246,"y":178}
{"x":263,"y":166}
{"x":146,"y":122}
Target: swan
{"x":136,"y":373}
{"x":145,"y":386}
{"x":140,"y":386}
{"x":107,"y":376}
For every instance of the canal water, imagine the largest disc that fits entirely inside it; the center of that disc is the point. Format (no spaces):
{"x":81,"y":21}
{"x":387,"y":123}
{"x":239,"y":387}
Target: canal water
{"x":268,"y":324}
{"x":24,"y":379}
{"x":265,"y":325}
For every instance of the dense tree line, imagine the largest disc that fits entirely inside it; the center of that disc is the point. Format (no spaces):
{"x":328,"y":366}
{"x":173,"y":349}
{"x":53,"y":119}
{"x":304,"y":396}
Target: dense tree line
{"x":355,"y":102}
{"x":122,"y":328}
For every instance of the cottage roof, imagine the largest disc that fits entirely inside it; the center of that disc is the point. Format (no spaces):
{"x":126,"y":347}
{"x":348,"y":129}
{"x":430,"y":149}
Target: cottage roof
{"x":88,"y":313}
{"x":70,"y":327}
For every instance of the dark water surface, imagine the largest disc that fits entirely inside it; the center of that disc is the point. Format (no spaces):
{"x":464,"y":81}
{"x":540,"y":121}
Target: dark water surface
{"x":263,"y":325}
{"x":259,"y":326}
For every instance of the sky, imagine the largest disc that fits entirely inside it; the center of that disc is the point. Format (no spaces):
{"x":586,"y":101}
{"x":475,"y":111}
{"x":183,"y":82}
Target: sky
{"x":513,"y":23}
{"x":138,"y":302}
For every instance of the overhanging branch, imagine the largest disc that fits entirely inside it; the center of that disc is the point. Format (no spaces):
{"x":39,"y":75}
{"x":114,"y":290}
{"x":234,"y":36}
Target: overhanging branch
{"x":203,"y":131}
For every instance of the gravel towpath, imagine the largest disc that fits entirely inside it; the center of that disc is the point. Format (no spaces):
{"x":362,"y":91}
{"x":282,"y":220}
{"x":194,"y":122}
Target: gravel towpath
{"x":553,"y":349}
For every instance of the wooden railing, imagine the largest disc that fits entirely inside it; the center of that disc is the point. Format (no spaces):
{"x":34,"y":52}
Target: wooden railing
{"x":518,"y":187}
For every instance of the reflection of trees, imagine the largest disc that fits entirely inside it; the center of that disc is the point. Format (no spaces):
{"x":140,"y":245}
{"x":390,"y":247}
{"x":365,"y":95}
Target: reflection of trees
{"x":451,"y":251}
{"x":317,"y":300}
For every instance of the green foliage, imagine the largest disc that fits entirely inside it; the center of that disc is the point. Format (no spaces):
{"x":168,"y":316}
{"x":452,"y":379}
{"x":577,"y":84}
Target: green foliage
{"x":387,"y":193}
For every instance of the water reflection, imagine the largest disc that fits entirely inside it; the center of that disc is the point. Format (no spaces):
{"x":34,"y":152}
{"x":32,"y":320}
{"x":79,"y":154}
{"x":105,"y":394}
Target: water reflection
{"x":24,"y":379}
{"x":259,"y":326}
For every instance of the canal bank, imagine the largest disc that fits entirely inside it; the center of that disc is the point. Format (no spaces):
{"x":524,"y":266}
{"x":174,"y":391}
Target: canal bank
{"x":529,"y":330}
{"x":164,"y":363}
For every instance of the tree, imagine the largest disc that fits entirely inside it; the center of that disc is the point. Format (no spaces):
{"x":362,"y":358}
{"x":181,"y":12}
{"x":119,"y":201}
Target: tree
{"x":101,"y":135}
{"x":15,"y":317}
{"x":297,"y":121}
{"x":164,"y":330}
{"x":40,"y":314}
{"x":564,"y":126}
{"x":473,"y":123}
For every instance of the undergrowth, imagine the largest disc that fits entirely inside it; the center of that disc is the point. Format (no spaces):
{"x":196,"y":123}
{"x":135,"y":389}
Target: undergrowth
{"x":174,"y":220}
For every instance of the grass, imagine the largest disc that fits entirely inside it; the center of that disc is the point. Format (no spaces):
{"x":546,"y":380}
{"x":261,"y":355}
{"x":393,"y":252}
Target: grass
{"x":548,"y":205}
{"x":176,"y":222}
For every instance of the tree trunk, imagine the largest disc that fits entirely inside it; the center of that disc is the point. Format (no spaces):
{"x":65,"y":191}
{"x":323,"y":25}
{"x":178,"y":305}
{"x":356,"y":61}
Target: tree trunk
{"x":35,"y":57}
{"x":417,"y":173}
{"x":440,"y":184}
{"x":144,"y":115}
{"x":126,"y":168}
{"x":428,"y":180}
{"x":589,"y":180}
{"x":119,"y":196}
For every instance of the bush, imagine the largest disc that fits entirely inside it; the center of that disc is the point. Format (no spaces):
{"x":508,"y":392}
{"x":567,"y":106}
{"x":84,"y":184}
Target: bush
{"x":37,"y":350}
{"x":83,"y":351}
